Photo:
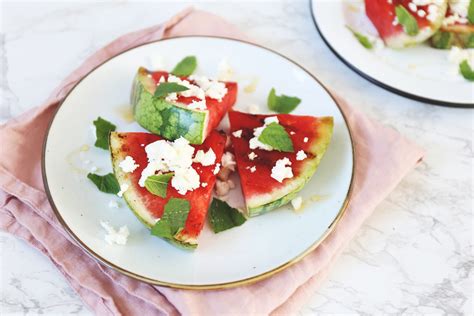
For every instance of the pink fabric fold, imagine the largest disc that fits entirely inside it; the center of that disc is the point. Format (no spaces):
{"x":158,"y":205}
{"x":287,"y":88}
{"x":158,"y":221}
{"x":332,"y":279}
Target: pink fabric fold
{"x":383,"y":158}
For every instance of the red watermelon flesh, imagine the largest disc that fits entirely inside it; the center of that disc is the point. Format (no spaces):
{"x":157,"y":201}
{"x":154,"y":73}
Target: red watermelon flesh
{"x":263,"y":193}
{"x":149,"y":207}
{"x":382,"y":14}
{"x":217,"y":109}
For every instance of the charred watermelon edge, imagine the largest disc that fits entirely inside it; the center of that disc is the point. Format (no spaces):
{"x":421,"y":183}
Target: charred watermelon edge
{"x":318,"y":149}
{"x":169,"y":120}
{"x":131,"y":198}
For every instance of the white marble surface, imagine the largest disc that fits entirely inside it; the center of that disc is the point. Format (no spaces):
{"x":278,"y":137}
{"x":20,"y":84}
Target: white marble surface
{"x":413,"y":256}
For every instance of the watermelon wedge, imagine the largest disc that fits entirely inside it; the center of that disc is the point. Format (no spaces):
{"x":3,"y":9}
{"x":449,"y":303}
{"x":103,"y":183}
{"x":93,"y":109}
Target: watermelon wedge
{"x":173,"y":118}
{"x":149,"y":207}
{"x":456,"y":30}
{"x":263,"y":193}
{"x":429,"y":18}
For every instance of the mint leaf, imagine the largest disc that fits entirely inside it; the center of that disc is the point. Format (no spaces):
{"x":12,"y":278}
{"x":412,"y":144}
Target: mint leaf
{"x":102,"y":130}
{"x":283,"y":103}
{"x":158,"y":184}
{"x":223,"y":217}
{"x":107,"y":183}
{"x":408,"y":21}
{"x":173,"y":219}
{"x":364,"y":40}
{"x":276,"y":136}
{"x":165,"y":88}
{"x":470,"y":12}
{"x":185,"y":67}
{"x":442,"y":40}
{"x":466,"y":70}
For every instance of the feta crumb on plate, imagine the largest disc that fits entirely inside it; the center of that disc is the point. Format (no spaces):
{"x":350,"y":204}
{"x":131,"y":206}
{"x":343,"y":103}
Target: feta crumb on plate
{"x":113,"y":236}
{"x":113,"y":204}
{"x":123,"y":187}
{"x":297,"y":202}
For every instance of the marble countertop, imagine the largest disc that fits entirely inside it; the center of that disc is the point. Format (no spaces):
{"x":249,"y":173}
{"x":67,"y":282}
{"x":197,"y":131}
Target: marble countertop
{"x":413,"y":256}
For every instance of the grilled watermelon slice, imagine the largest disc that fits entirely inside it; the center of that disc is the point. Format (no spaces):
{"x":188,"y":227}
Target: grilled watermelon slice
{"x":149,"y":207}
{"x":382,"y":14}
{"x":453,"y":34}
{"x":263,"y":193}
{"x":174,"y":119}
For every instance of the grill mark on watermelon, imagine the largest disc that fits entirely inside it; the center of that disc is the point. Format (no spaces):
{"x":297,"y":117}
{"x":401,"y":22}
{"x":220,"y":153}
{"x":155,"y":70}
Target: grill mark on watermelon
{"x":199,"y":198}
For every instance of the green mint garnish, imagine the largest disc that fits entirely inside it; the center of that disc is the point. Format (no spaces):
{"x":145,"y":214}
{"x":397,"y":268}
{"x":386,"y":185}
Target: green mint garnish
{"x":276,"y":136}
{"x":408,"y":21}
{"x":283,"y":103}
{"x":470,"y":12}
{"x":106,"y":183}
{"x":158,"y":184}
{"x":102,"y":130}
{"x":173,"y":218}
{"x":442,"y":40}
{"x":363,"y":40}
{"x":223,"y":217}
{"x":185,"y":67}
{"x":165,"y":88}
{"x":466,"y":70}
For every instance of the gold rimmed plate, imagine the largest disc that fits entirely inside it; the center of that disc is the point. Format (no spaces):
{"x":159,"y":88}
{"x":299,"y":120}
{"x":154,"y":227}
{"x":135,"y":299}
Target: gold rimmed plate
{"x":263,"y":245}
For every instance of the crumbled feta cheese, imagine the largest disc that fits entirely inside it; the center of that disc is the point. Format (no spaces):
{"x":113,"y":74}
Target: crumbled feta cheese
{"x":185,"y":179}
{"x":282,"y":170}
{"x":228,"y":160}
{"x":395,"y":21}
{"x":237,"y":134}
{"x":297,"y":202}
{"x":457,"y":55}
{"x":204,"y":184}
{"x":421,"y":13}
{"x":253,"y":169}
{"x":162,"y":79}
{"x":252,"y":155}
{"x":253,"y":109}
{"x":292,"y":133}
{"x":222,"y":188}
{"x":171,"y":97}
{"x":225,"y":71}
{"x":305,"y":139}
{"x":254,"y":142}
{"x":205,"y":159}
{"x":211,"y":88}
{"x":113,"y":236}
{"x":301,"y":155}
{"x":123,"y":187}
{"x":128,"y":164}
{"x":412,"y":6}
{"x":459,"y":7}
{"x":177,"y":156}
{"x":198,"y":105}
{"x":142,"y":145}
{"x":433,"y":12}
{"x":113,"y":204}
{"x":217,"y":168}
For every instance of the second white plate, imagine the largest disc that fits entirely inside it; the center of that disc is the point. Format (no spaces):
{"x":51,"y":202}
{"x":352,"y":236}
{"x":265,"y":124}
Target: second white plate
{"x":421,"y":72}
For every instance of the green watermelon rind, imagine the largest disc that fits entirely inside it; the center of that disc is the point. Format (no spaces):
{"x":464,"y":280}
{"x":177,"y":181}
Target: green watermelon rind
{"x":131,"y":197}
{"x":402,"y":40}
{"x":454,"y":35}
{"x":263,"y":203}
{"x":170,"y":120}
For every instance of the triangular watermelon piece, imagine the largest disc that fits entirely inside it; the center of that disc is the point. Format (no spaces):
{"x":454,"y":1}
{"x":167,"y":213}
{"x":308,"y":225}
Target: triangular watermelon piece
{"x":263,"y":193}
{"x":149,"y":207}
{"x":177,"y":118}
{"x":383,"y":16}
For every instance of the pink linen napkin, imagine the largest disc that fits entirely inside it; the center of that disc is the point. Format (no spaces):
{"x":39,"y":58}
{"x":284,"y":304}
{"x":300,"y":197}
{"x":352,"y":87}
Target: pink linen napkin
{"x":383,"y":158}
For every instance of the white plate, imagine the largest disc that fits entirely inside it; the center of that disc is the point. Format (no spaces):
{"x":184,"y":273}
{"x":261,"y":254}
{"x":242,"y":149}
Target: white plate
{"x":261,"y":246}
{"x":421,"y":72}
